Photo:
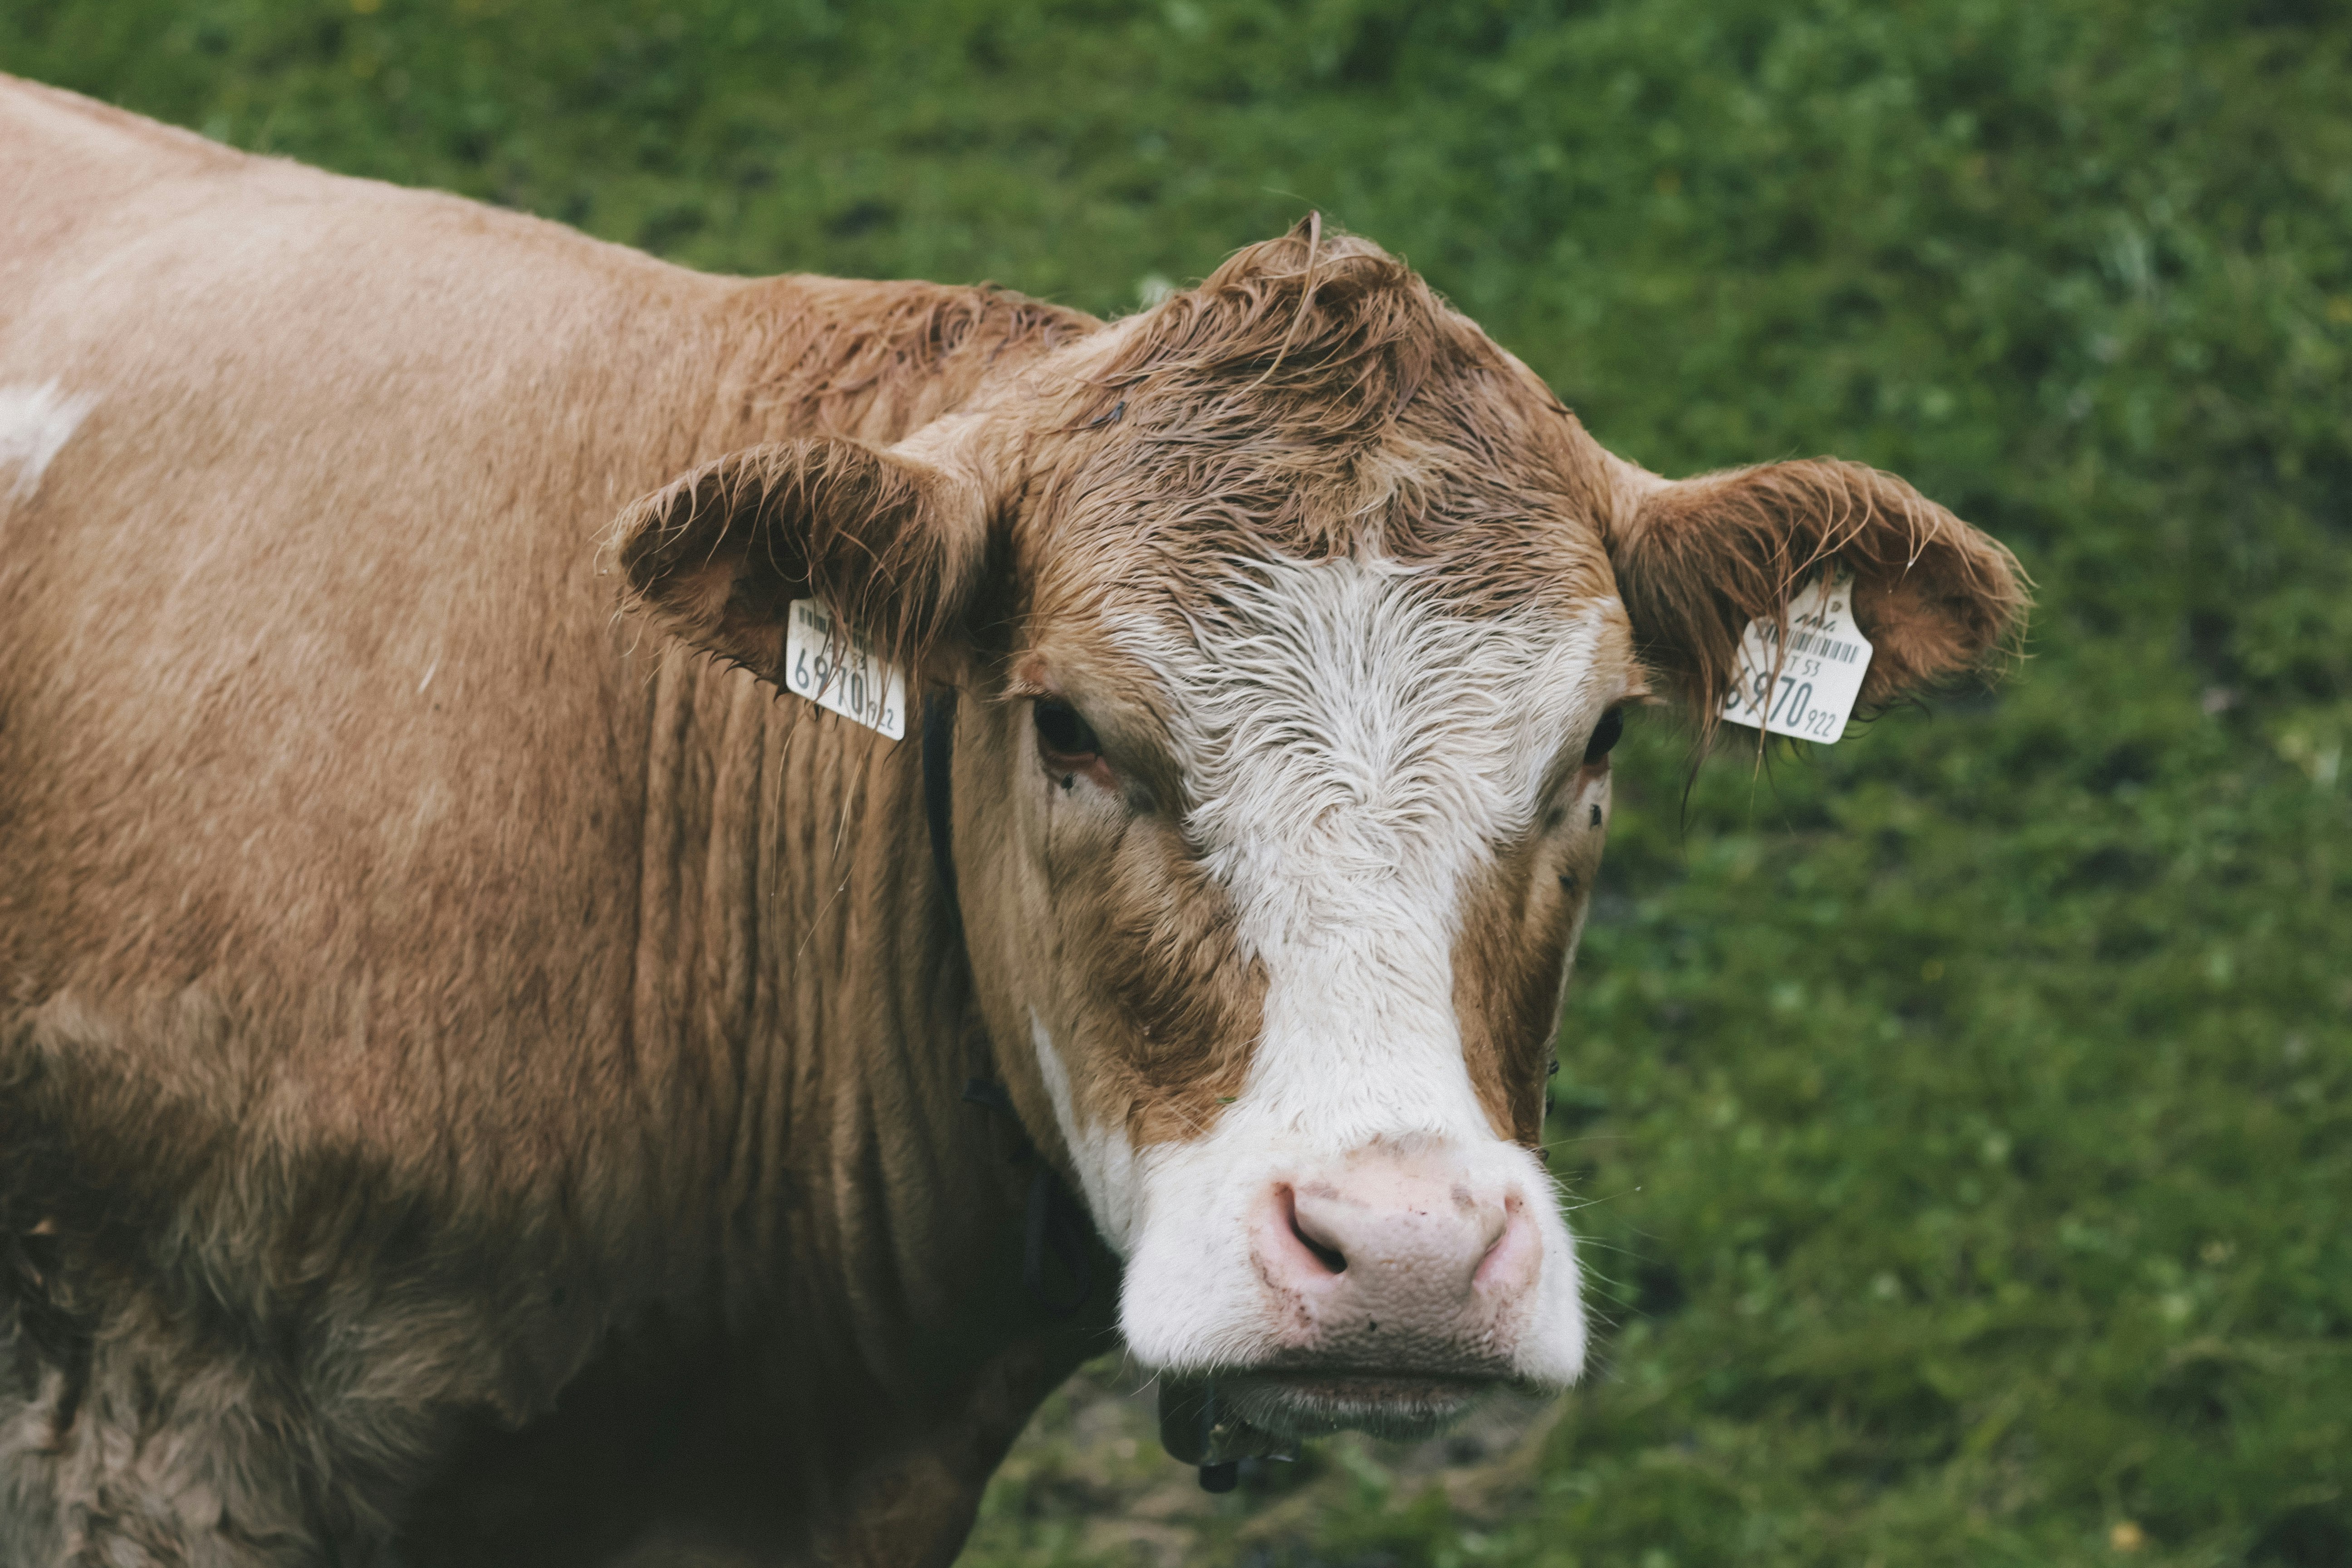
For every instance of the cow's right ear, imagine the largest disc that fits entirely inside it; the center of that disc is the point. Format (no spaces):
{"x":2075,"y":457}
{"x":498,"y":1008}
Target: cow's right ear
{"x":894,"y":545}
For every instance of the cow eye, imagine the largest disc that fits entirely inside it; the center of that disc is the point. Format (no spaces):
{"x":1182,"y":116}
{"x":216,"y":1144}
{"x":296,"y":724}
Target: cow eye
{"x":1604,"y":735}
{"x":1062,"y":732}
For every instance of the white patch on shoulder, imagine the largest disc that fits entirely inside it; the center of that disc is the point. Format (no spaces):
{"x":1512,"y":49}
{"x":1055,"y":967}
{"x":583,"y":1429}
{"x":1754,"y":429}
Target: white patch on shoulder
{"x":35,"y":422}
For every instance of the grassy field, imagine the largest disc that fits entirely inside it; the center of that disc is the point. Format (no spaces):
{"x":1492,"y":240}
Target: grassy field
{"x":1961,"y":1116}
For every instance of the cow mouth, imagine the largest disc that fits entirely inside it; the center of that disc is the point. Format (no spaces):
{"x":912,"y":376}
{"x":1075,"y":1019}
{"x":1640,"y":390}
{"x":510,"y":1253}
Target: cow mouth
{"x":1384,"y":1404}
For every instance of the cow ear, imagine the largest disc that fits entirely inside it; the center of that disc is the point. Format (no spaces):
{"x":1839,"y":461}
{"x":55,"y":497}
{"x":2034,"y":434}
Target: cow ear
{"x":895,"y":544}
{"x":1697,"y":560}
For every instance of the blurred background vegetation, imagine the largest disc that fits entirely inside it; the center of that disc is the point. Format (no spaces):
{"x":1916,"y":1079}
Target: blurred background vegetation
{"x":1960,"y":1117}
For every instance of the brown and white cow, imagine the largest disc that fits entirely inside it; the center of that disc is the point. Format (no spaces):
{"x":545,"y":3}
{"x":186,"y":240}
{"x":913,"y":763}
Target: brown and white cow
{"x":483,"y":1072}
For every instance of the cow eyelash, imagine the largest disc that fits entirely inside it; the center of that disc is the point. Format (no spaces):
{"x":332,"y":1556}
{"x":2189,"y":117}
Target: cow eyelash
{"x":1062,"y":734}
{"x":1604,"y":735}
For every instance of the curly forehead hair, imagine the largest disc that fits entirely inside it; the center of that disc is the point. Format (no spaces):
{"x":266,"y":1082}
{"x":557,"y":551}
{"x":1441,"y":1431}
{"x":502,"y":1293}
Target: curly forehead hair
{"x":1314,"y":398}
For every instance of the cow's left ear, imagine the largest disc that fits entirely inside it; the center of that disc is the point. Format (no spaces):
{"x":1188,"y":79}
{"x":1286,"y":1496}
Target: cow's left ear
{"x":895,"y":544}
{"x":1697,"y":560}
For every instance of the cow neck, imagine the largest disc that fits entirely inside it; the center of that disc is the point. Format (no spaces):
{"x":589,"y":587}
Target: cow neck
{"x":841,"y":1231}
{"x":1053,"y":1221}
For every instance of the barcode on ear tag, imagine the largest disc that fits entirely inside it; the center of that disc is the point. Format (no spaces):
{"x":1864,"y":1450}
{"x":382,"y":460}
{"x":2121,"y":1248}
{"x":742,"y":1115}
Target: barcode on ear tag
{"x":1808,"y":688}
{"x":834,"y":667}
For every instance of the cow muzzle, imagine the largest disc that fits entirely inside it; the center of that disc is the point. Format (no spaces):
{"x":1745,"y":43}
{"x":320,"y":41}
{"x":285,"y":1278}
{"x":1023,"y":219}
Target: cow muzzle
{"x":1386,"y":1292}
{"x":1285,"y":1292}
{"x":1396,"y":1285}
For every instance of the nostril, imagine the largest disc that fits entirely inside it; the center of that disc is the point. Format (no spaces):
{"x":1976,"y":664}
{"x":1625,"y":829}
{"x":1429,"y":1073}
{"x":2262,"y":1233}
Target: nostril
{"x":1329,"y":1256}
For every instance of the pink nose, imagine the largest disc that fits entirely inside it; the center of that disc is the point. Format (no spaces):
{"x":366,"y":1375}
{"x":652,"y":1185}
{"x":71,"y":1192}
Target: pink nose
{"x":1391,"y":1258}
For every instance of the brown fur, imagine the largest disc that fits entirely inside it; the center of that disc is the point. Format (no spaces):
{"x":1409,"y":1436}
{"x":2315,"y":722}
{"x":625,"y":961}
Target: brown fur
{"x":478,"y":1076}
{"x":1313,"y":397}
{"x":412,"y":977}
{"x":1182,"y":1002}
{"x":1511,"y":962}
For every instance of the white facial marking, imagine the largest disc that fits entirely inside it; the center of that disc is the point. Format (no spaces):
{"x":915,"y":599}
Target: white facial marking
{"x":35,"y":422}
{"x":1357,"y":753}
{"x":1104,"y":1158}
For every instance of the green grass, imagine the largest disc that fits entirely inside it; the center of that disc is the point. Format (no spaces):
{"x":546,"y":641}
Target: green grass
{"x":1963,"y":1115}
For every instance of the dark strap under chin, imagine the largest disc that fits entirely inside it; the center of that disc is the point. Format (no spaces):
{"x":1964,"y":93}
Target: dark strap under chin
{"x":938,"y":795}
{"x":1055,"y":1224}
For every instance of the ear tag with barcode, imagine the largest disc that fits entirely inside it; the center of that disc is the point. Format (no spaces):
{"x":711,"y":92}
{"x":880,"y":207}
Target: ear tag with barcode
{"x":1808,"y":688}
{"x":834,"y":667}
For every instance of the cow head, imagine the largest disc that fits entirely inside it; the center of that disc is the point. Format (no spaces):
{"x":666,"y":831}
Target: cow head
{"x":1294,"y":621}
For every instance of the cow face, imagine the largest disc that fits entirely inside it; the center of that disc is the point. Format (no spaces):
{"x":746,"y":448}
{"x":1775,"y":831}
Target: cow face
{"x":1287,"y":881}
{"x":1295,"y":621}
